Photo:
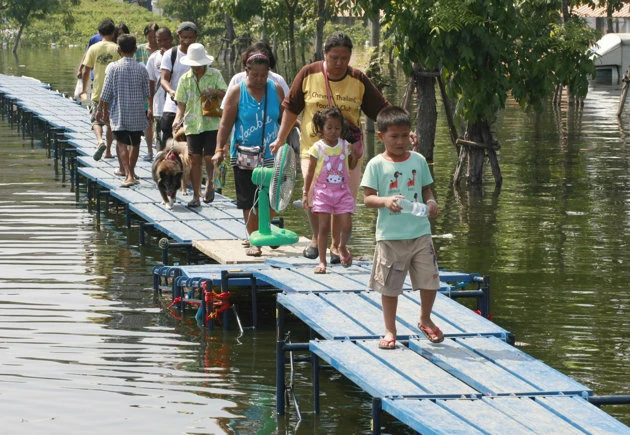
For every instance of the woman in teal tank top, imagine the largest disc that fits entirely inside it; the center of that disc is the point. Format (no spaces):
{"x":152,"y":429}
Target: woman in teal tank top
{"x":252,"y":109}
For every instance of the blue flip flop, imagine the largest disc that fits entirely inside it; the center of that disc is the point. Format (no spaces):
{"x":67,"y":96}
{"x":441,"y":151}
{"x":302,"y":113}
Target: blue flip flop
{"x":311,"y":252}
{"x":209,"y":197}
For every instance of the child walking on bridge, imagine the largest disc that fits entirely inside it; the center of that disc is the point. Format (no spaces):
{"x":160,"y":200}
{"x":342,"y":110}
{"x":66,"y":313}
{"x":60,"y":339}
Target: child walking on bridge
{"x":331,"y":158}
{"x":403,"y":240}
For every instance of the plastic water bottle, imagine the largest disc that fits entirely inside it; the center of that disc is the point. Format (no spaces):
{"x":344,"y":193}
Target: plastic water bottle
{"x":414,"y":208}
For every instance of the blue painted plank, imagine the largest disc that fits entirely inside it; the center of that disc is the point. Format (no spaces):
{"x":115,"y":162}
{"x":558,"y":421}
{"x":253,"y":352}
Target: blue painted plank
{"x":218,"y":229}
{"x":524,"y":366}
{"x":325,"y":319}
{"x":585,"y":416}
{"x":453,"y":318}
{"x":179,"y":231}
{"x":379,"y":372}
{"x":290,"y":280}
{"x":475,"y":370}
{"x":487,"y":418}
{"x":366,"y":311}
{"x":138,"y":196}
{"x":531,"y":414}
{"x":152,"y":212}
{"x":212,"y":271}
{"x":362,"y":308}
{"x":482,"y":373}
{"x":231,"y":229}
{"x":457,"y":277}
{"x":428,"y":417}
{"x":100,"y":176}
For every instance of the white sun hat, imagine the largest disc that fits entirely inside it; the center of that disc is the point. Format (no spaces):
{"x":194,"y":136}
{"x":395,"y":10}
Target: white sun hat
{"x":196,"y":56}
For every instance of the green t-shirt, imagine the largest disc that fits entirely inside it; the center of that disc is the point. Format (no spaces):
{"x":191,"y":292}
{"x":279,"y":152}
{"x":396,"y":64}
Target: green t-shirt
{"x":188,"y":93}
{"x":405,"y":178}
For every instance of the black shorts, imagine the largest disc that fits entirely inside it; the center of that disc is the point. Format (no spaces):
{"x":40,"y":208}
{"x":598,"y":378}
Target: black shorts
{"x":245,"y":189}
{"x":166,"y":125}
{"x":203,"y":143}
{"x":128,"y":137}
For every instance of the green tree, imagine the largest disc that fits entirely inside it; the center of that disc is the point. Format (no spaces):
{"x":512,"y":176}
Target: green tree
{"x":23,"y":12}
{"x":485,"y":51}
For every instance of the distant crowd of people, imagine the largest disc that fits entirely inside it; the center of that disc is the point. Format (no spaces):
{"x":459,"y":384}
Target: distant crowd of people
{"x":156,"y":91}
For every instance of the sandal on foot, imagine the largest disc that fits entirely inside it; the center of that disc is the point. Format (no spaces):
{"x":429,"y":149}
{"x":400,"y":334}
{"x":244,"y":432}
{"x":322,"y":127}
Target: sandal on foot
{"x":245,"y":243}
{"x":99,"y":151}
{"x":311,"y":252}
{"x":209,"y":197}
{"x":119,"y":173}
{"x":434,"y":335}
{"x":254,"y":251}
{"x":320,"y":270}
{"x":193,"y":203}
{"x":387,"y":343}
{"x":335,"y":258}
{"x":127,"y":183}
{"x":347,"y":260}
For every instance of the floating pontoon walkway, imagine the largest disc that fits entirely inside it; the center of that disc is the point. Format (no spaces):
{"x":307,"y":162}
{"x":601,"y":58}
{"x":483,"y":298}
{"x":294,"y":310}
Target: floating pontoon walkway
{"x":212,"y":229}
{"x":476,"y":381}
{"x":473,"y":382}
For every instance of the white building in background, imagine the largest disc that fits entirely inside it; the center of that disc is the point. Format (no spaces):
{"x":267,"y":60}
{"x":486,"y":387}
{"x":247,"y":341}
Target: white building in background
{"x":597,"y":18}
{"x":612,"y":51}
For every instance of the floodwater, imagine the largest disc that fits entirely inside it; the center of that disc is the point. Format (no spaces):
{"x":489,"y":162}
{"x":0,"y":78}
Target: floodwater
{"x":84,"y":347}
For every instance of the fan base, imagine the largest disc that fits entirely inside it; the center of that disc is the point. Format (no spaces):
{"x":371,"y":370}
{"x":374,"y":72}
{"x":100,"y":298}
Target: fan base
{"x":277,"y":237}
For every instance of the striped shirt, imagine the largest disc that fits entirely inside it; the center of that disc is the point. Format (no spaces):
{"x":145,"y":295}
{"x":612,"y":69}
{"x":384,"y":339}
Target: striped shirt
{"x":126,"y":89}
{"x":142,"y":53}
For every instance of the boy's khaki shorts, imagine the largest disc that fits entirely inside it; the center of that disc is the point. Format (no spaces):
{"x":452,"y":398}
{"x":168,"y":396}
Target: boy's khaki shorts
{"x":394,"y":258}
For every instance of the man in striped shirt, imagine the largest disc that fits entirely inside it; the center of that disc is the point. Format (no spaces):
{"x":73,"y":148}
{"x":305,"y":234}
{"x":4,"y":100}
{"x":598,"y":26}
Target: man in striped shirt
{"x":125,"y":92}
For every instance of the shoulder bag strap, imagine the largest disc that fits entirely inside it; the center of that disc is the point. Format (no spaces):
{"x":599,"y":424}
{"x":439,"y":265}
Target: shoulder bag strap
{"x":328,"y":92}
{"x":264,"y":121}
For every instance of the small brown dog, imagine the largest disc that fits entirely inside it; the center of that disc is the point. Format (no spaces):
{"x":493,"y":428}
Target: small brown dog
{"x":171,"y":171}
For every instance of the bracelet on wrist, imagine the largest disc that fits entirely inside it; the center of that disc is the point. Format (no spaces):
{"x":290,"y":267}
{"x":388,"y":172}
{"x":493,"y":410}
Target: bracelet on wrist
{"x":432,"y":200}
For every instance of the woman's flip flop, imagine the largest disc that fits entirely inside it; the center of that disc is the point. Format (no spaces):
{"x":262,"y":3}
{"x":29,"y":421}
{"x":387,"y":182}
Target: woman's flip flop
{"x":387,"y":343}
{"x":434,"y":335}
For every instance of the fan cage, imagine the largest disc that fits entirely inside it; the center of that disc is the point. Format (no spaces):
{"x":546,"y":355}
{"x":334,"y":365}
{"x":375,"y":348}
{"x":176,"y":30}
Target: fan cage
{"x":283,"y":178}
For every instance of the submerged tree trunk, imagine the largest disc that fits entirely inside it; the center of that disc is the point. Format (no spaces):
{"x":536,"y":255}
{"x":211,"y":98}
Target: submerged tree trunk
{"x":479,"y":143}
{"x":18,"y":37}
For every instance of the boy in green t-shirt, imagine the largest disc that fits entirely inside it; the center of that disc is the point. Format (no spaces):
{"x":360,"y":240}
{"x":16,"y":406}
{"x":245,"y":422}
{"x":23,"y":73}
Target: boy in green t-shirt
{"x":403,"y":240}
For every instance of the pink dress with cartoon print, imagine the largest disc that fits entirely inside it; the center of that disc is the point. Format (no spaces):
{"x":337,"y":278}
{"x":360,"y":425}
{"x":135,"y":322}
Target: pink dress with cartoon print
{"x":331,"y":193}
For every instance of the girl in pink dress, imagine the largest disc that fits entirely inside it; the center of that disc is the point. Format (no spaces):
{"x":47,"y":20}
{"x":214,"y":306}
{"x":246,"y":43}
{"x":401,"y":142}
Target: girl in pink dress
{"x":331,"y":159}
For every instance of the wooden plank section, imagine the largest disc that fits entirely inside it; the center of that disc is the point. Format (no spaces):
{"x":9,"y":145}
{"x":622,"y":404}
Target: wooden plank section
{"x":233,"y":252}
{"x":523,"y":365}
{"x":354,"y":278}
{"x":304,"y":280}
{"x":329,"y":314}
{"x":179,"y":231}
{"x":490,"y":367}
{"x":587,"y":417}
{"x":453,"y":318}
{"x":428,"y":417}
{"x":546,"y":421}
{"x":137,"y":196}
{"x":387,"y":373}
{"x":324,"y":319}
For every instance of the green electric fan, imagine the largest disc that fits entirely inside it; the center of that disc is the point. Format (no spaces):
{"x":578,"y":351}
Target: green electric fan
{"x":276,"y":187}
